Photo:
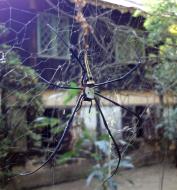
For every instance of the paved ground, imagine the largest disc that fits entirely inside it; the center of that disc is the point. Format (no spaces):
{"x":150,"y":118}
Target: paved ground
{"x":145,"y":178}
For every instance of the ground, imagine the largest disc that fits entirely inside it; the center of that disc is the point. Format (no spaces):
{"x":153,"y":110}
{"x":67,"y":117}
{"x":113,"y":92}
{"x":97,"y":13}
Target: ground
{"x":144,"y":178}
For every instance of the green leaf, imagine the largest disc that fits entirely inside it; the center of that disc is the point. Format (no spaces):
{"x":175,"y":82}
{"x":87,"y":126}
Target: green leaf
{"x":57,"y":129}
{"x":42,"y":122}
{"x":66,"y":157}
{"x":71,"y":93}
{"x":96,"y":174}
{"x":34,"y":136}
{"x":103,"y":146}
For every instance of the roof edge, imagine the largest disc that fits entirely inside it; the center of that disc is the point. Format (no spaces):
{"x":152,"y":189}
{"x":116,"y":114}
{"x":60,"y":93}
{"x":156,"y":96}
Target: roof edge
{"x":115,"y":6}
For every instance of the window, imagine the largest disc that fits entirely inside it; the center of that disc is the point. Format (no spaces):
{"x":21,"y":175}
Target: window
{"x":49,"y":46}
{"x":129,"y":45}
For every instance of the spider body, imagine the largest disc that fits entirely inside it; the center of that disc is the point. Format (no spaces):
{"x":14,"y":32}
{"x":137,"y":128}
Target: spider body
{"x":89,"y":90}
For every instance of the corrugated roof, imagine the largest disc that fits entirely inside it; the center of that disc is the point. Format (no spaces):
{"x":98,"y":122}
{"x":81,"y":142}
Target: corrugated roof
{"x":126,"y":3}
{"x":119,"y":4}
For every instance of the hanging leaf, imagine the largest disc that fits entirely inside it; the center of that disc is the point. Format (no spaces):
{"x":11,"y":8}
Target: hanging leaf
{"x":42,"y":122}
{"x":103,"y":146}
{"x":71,"y":93}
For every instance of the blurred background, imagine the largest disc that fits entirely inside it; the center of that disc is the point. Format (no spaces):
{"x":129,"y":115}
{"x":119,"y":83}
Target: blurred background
{"x":41,"y":79}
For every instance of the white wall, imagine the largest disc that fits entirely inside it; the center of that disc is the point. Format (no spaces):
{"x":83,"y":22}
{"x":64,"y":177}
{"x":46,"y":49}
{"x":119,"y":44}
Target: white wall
{"x":112,"y":114}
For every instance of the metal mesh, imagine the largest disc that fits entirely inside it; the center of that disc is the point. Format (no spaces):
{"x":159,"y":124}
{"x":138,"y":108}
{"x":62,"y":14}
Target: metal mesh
{"x":48,"y":43}
{"x":128,"y":46}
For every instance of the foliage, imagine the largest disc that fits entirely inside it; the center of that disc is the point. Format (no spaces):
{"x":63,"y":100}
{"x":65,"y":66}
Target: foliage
{"x":169,"y":124}
{"x":161,"y":25}
{"x":71,"y":93}
{"x":67,"y":156}
{"x":161,"y":21}
{"x":42,"y":122}
{"x":4,"y":146}
{"x":103,"y":146}
{"x":20,"y":106}
{"x":84,"y":140}
{"x":100,"y":171}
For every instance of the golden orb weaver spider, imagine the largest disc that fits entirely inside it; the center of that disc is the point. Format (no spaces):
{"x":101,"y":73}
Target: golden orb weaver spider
{"x":88,"y":93}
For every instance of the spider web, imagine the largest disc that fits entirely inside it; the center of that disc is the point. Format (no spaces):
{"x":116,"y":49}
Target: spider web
{"x":116,"y":44}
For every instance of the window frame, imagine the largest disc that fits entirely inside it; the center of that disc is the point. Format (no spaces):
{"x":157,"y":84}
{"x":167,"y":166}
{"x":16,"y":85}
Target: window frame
{"x":53,"y":39}
{"x":135,"y":32}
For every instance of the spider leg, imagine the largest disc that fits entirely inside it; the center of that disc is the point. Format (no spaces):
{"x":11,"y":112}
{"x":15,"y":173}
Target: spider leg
{"x":65,"y":87}
{"x":122,"y":77}
{"x":90,"y":106}
{"x":83,"y":78}
{"x":117,"y":104}
{"x":59,"y":86}
{"x":81,"y":101}
{"x":112,"y":138}
{"x":66,"y":130}
{"x":71,"y":50}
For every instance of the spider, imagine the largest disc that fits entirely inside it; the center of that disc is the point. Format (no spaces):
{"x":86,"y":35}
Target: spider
{"x":89,"y":94}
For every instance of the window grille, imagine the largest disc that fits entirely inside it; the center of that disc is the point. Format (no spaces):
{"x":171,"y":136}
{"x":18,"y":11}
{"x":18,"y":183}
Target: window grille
{"x":49,"y":46}
{"x":129,"y":45}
